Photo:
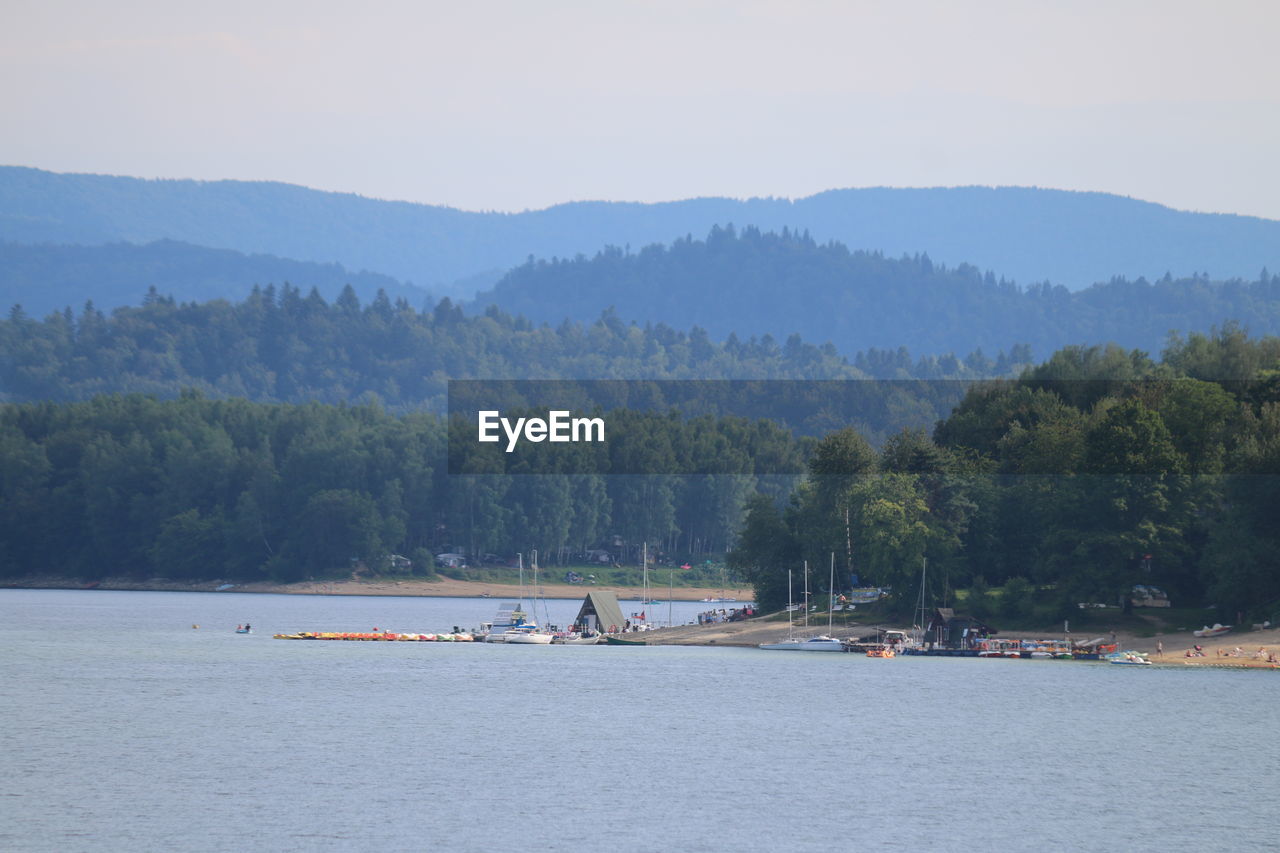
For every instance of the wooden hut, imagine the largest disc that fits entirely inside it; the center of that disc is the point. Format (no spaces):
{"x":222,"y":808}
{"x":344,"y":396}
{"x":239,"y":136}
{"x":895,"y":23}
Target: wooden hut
{"x":950,"y":630}
{"x":601,"y":612}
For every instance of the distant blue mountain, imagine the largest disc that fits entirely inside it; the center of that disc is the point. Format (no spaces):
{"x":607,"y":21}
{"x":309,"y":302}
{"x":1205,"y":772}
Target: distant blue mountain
{"x":46,"y":277}
{"x":1026,"y":235}
{"x":747,"y":282}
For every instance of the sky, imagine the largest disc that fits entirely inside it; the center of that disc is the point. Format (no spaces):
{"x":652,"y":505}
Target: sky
{"x":521,"y":104}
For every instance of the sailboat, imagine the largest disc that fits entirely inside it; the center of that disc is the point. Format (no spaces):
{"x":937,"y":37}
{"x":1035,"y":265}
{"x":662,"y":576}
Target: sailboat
{"x":528,"y":633}
{"x":818,"y":643}
{"x":646,"y":597}
{"x":915,"y":644}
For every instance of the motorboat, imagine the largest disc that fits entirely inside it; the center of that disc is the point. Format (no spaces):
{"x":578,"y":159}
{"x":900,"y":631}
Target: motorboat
{"x":576,"y":638}
{"x":1128,"y":659}
{"x":510,"y":615}
{"x":882,"y":652}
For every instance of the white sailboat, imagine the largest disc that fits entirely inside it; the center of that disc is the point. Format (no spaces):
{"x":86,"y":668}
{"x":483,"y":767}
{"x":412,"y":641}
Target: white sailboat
{"x":528,"y":633}
{"x":819,"y":643}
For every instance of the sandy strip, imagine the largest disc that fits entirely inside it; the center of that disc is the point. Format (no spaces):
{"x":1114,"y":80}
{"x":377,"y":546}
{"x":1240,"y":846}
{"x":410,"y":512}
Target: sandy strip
{"x":442,"y":587}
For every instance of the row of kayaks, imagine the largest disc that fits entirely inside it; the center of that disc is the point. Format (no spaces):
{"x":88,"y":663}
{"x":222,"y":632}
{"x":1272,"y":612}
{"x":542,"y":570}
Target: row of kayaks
{"x":380,"y":636}
{"x":462,"y":637}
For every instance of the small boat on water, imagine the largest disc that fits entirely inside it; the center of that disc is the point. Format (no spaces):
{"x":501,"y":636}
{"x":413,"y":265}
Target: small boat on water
{"x":820,"y":643}
{"x":576,"y":638}
{"x":1129,"y":659}
{"x":528,"y":635}
{"x":883,"y":652}
{"x":244,"y":629}
{"x":524,"y":632}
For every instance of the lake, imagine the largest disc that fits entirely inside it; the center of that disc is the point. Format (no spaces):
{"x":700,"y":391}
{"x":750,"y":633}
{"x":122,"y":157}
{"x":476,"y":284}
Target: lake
{"x":125,"y":729}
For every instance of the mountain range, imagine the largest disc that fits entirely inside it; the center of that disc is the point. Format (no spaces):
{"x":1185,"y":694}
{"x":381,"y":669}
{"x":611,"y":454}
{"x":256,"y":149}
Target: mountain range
{"x":1023,"y":234}
{"x":748,"y":282}
{"x":44,"y":277}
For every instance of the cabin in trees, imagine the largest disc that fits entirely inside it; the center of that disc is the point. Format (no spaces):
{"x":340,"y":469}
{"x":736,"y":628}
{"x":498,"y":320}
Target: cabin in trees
{"x":950,"y":630}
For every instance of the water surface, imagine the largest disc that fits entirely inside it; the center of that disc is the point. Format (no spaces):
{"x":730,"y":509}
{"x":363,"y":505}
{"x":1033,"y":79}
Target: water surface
{"x":124,"y":729}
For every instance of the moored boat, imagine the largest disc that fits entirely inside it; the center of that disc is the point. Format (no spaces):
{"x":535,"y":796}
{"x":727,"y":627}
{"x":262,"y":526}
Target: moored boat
{"x":528,"y":635}
{"x":1129,"y":659}
{"x":819,"y":643}
{"x":576,"y":638}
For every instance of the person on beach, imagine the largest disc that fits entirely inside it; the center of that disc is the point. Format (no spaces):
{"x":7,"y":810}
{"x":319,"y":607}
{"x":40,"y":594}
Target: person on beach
{"x":1159,"y":648}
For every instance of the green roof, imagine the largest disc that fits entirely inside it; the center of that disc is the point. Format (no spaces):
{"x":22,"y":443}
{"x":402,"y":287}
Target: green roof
{"x":605,"y":607}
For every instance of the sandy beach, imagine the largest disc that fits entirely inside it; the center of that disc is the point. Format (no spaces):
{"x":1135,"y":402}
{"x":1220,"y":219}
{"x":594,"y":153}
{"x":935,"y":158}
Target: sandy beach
{"x":1219,"y":652}
{"x":442,"y":587}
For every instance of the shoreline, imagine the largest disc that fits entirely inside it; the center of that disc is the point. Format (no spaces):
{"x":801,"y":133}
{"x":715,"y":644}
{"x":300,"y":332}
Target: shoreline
{"x":745,"y":634}
{"x":441,"y":588}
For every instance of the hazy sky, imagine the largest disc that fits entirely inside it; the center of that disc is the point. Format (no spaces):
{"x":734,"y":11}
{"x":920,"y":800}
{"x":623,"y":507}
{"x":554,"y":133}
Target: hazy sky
{"x":509,"y":105}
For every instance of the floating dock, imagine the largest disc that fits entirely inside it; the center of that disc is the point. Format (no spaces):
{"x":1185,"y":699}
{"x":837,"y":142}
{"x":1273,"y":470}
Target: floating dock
{"x":379,"y":637}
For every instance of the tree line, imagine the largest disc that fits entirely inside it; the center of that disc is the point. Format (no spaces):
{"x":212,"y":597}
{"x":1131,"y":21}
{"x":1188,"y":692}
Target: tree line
{"x":200,"y":489}
{"x":281,"y":345}
{"x":1099,"y":470}
{"x":755,"y":282}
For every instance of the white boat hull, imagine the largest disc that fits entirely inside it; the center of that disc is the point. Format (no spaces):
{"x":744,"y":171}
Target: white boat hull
{"x":518,"y":639}
{"x":817,"y":644}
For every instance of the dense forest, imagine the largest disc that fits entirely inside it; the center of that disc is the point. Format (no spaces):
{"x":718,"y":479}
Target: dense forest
{"x":1097,"y":470}
{"x":197,"y":489}
{"x":1094,"y":471}
{"x":284,"y":346}
{"x":46,"y":277}
{"x":1028,"y":234}
{"x":756,"y":283}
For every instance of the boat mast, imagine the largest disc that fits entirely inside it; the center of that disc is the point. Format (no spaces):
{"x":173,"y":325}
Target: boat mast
{"x":831,"y":593}
{"x":920,"y":607}
{"x":545,"y":618}
{"x":644,"y":579}
{"x":520,"y":564}
{"x":806,"y":595}
{"x":790,"y":608}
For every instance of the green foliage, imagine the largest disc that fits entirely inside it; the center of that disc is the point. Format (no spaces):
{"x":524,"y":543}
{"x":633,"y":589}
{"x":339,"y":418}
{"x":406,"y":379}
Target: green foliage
{"x":1097,"y":471}
{"x":786,"y":282}
{"x":766,"y":550}
{"x":197,"y":489}
{"x":280,"y":345}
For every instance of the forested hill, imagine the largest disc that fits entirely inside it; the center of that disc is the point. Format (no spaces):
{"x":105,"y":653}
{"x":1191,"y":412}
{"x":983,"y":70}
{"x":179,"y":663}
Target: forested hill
{"x":755,"y":283}
{"x":284,"y":346}
{"x":1094,"y":472}
{"x":1026,"y":234}
{"x":47,"y":277}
